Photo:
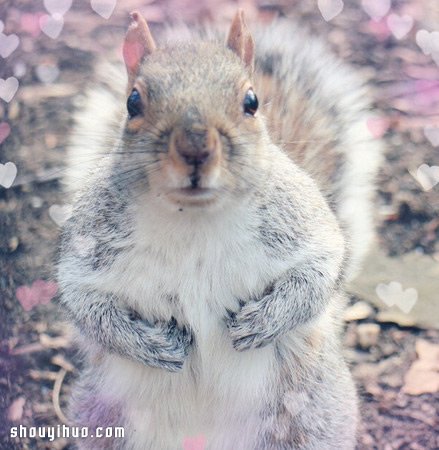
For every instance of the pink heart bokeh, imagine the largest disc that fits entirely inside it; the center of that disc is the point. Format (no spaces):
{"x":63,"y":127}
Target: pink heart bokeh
{"x":400,"y":26}
{"x":376,"y":9}
{"x":194,"y":443}
{"x":380,"y":29}
{"x":30,"y":23}
{"x":378,"y":126}
{"x":40,"y":293}
{"x":5,"y":130}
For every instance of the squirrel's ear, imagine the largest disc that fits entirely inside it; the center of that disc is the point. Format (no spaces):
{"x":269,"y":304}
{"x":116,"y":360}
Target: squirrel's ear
{"x":240,"y":40}
{"x":138,"y":44}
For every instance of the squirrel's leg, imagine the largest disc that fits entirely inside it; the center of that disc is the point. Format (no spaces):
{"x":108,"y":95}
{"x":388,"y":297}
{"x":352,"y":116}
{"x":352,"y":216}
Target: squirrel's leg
{"x":100,"y":318}
{"x":320,"y":413}
{"x":89,"y":410}
{"x":300,"y":295}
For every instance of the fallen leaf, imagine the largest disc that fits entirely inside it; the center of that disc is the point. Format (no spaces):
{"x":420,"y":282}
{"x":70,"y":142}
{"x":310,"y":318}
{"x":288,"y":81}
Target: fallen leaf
{"x":15,"y":410}
{"x":423,"y":375}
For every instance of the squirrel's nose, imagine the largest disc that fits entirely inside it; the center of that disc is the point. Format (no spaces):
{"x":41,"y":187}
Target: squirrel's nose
{"x":195,"y":146}
{"x":191,"y":157}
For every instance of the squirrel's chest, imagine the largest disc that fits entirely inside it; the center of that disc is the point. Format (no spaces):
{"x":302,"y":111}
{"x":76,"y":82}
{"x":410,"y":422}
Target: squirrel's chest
{"x":196,"y":281}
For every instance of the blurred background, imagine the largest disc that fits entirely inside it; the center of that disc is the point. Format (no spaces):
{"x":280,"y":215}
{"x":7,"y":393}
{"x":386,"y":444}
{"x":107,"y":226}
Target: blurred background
{"x":48,"y":51}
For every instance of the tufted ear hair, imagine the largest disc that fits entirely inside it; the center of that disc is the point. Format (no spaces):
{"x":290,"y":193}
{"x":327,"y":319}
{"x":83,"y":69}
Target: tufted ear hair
{"x":138,"y":44}
{"x":240,"y":40}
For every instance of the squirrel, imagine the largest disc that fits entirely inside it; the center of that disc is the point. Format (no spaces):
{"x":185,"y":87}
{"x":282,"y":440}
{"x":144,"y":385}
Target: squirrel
{"x":206,"y":258}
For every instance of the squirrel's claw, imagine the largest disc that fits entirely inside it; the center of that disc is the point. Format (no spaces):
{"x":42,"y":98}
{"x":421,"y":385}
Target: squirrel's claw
{"x":166,"y":345}
{"x":249,"y":327}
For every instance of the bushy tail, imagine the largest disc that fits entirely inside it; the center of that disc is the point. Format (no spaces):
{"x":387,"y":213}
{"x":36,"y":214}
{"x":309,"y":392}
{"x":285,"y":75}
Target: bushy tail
{"x":98,"y":121}
{"x":318,"y":111}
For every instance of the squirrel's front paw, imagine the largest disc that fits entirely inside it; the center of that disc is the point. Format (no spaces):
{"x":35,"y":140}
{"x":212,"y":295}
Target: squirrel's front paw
{"x":166,"y":345}
{"x":252,"y":326}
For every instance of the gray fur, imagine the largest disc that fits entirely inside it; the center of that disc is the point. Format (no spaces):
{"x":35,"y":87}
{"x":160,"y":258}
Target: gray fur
{"x":150,"y":292}
{"x":297,"y":298}
{"x":303,"y":292}
{"x":102,"y":215}
{"x":93,"y":410}
{"x":162,"y":344}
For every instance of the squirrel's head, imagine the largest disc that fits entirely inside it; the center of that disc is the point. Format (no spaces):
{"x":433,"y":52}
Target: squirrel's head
{"x":193,"y":114}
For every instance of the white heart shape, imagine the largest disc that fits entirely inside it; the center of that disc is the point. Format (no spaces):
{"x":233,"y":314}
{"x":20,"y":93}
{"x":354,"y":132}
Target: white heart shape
{"x":295,"y":402}
{"x":47,"y":73}
{"x":427,"y":176}
{"x":8,"y":44}
{"x":376,"y":9}
{"x":8,"y":172}
{"x":393,"y":294}
{"x":434,"y":41}
{"x":330,"y":8}
{"x":8,"y":88}
{"x":60,"y":213}
{"x":388,"y":292}
{"x":400,"y":25}
{"x":103,"y":7}
{"x":408,"y":300}
{"x":432,"y":134}
{"x":57,"y":6}
{"x":52,"y":25}
{"x":423,"y":40}
{"x":429,"y":42}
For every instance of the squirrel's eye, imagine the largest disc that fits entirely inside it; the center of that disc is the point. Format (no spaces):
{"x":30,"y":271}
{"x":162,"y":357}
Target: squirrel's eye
{"x":250,"y":103}
{"x":134,"y":104}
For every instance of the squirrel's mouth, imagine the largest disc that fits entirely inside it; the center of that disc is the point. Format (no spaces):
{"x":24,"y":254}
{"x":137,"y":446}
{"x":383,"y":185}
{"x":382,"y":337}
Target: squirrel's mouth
{"x":193,"y":195}
{"x":194,"y":187}
{"x":195,"y":191}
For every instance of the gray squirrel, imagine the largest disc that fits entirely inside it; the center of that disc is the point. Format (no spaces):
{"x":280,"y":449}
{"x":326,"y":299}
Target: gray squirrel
{"x":205,"y":261}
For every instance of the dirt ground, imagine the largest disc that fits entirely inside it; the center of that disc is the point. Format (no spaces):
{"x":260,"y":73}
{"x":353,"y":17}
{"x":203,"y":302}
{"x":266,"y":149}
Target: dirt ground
{"x":37,"y":359}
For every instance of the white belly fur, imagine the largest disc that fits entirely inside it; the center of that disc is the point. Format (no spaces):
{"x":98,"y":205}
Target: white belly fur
{"x":220,"y":392}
